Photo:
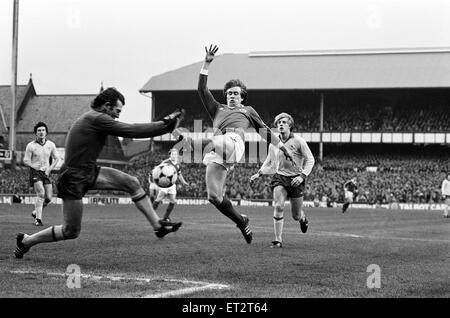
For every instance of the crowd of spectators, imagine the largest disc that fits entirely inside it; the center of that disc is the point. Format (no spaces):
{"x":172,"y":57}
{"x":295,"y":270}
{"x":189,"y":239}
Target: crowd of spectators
{"x":381,"y":179}
{"x":368,"y":118}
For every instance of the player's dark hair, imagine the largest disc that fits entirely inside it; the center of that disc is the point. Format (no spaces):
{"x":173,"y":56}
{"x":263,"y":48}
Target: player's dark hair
{"x":236,"y":83}
{"x":111,"y":95}
{"x":40,"y":124}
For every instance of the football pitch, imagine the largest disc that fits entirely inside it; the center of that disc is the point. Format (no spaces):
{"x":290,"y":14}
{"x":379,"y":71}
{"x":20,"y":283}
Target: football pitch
{"x":362,"y":253}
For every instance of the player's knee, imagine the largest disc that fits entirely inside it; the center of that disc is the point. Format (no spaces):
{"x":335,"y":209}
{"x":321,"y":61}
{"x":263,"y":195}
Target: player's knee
{"x":71,"y":232}
{"x":214,"y":198}
{"x":133,"y":183}
{"x":279,"y":208}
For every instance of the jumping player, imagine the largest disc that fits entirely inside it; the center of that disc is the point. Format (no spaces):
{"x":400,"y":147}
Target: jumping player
{"x":170,"y":192}
{"x":445,"y":190}
{"x":227,"y":145}
{"x":288,"y":180}
{"x":80,"y":172}
{"x":37,"y":157}
{"x":350,"y":191}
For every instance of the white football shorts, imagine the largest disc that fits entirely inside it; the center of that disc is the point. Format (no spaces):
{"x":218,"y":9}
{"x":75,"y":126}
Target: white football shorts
{"x":349,"y":195}
{"x":236,"y":156}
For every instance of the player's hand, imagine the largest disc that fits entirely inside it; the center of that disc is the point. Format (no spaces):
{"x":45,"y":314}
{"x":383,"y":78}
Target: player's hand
{"x":172,"y":121}
{"x":254,"y":177}
{"x":47,"y":172}
{"x":210,"y":53}
{"x":297,"y":181}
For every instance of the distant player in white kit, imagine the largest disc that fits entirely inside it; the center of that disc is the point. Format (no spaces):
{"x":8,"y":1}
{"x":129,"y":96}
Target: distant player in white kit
{"x":445,"y":190}
{"x":170,"y":192}
{"x":37,"y":157}
{"x":289,"y":179}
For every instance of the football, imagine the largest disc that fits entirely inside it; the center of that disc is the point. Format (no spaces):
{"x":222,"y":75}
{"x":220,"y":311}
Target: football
{"x":164,"y":175}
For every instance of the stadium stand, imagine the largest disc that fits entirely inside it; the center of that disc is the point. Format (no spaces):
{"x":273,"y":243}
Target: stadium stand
{"x":406,"y":177}
{"x":346,"y":118}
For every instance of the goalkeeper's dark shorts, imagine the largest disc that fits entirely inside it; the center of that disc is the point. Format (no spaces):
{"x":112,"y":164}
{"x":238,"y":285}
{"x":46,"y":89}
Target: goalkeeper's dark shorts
{"x":285,"y":182}
{"x":73,"y":183}
{"x":38,"y":175}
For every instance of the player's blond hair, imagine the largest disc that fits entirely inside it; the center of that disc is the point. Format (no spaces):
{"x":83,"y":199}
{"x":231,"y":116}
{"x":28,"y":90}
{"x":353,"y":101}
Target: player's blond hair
{"x":284,"y":115}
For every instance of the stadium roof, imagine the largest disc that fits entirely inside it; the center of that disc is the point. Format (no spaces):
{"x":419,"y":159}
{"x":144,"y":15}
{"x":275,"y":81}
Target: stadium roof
{"x":59,"y":110}
{"x":6,"y":101}
{"x":345,"y":69}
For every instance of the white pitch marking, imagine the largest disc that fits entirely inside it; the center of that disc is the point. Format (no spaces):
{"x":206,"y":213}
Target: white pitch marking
{"x":176,"y":292}
{"x":185,"y":291}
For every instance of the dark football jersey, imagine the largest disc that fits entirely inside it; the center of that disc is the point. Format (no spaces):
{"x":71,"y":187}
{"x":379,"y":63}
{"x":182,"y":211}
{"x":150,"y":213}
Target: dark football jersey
{"x":236,"y":119}
{"x":87,"y":137}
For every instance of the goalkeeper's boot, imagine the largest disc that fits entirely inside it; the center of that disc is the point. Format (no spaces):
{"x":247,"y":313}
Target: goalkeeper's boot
{"x":167,"y":227}
{"x":20,"y":248}
{"x":245,"y":229}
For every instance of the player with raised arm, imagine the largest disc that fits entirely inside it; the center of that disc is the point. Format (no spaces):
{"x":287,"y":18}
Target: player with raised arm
{"x":37,"y":156}
{"x":80,"y":172}
{"x":350,"y":191}
{"x":227,"y":145}
{"x":445,"y":191}
{"x":289,"y":180}
{"x":170,"y":192}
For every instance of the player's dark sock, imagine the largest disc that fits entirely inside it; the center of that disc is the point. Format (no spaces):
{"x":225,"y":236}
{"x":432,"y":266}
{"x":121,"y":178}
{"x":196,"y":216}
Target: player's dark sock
{"x":169,"y":210}
{"x":345,"y":207}
{"x":46,"y":202}
{"x":155,"y":205}
{"x":227,"y":209}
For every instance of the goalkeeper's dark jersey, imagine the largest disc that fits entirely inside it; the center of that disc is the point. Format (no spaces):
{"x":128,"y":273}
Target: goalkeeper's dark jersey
{"x":88,"y":134}
{"x":237,"y":119}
